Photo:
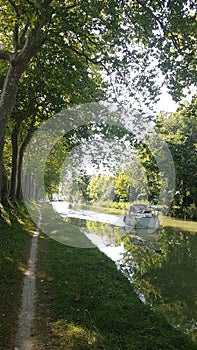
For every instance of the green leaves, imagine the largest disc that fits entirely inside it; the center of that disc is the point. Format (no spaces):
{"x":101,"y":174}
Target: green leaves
{"x":180,"y":132}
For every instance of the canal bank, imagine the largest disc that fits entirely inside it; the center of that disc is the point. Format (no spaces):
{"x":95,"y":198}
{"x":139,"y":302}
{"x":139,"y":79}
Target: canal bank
{"x":88,"y":304}
{"x":160,"y":264}
{"x":84,"y":302}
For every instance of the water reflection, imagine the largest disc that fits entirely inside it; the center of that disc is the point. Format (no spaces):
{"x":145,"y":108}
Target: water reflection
{"x":162,"y":266}
{"x":167,"y":276}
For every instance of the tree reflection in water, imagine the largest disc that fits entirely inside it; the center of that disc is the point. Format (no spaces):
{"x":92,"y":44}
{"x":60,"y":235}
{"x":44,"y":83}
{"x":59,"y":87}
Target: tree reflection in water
{"x":166,"y":274}
{"x":162,"y":266}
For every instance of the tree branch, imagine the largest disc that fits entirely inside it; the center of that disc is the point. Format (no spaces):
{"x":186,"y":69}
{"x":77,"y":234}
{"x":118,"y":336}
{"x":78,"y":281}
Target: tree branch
{"x":165,"y":31}
{"x":22,"y":36}
{"x":83,"y":54}
{"x":5,"y":55}
{"x":46,"y":2}
{"x":32,"y":39}
{"x":15,"y":37}
{"x":16,"y":27}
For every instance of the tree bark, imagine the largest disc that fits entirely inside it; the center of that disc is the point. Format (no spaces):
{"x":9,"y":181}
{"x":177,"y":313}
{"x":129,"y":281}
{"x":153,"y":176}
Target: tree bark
{"x":7,"y":103}
{"x":13,"y":182}
{"x":20,"y":159}
{"x":4,"y":189}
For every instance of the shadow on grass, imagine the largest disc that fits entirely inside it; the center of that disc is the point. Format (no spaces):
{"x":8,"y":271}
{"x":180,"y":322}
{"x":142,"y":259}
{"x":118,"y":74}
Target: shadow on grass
{"x":88,"y":304}
{"x":15,"y":240}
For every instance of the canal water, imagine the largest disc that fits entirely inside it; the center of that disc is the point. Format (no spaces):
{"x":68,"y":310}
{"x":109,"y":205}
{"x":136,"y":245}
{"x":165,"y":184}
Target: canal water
{"x":162,"y":265}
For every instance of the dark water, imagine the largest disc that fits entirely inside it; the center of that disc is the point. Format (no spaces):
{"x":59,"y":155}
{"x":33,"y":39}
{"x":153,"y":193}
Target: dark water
{"x":161,"y":265}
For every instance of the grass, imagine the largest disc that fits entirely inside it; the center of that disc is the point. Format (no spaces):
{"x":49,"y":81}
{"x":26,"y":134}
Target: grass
{"x":85,"y":303}
{"x":190,"y":226}
{"x":101,"y":209}
{"x":15,"y":239}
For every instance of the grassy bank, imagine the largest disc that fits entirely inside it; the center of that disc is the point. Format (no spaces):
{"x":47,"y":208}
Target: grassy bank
{"x":15,"y":239}
{"x":190,"y":226}
{"x":102,"y":209}
{"x":85,"y":303}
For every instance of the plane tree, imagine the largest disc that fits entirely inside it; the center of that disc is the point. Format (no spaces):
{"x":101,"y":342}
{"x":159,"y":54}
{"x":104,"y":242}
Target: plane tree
{"x":40,"y":97}
{"x":29,"y":26}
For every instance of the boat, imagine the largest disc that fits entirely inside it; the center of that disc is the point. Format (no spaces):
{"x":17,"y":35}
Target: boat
{"x":142,"y":216}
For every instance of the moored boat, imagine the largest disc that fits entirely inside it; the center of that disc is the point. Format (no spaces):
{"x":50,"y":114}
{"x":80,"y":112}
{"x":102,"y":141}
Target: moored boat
{"x":142,"y":216}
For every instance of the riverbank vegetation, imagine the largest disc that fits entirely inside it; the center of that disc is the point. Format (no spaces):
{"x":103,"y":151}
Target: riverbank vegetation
{"x":179,"y":130}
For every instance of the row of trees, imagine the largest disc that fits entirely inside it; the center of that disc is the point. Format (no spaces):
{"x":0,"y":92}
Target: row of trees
{"x":142,"y":179}
{"x":105,"y":189}
{"x":53,"y":55}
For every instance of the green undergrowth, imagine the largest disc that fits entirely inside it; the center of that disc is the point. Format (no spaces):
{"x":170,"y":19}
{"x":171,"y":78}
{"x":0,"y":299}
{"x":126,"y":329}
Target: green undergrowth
{"x":15,"y":238}
{"x":84,"y":302}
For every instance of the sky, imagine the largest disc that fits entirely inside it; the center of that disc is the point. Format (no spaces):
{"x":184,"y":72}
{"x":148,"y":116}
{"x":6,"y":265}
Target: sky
{"x":166,"y":103}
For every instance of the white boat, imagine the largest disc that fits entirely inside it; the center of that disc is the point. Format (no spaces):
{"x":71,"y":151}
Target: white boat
{"x":142,"y":216}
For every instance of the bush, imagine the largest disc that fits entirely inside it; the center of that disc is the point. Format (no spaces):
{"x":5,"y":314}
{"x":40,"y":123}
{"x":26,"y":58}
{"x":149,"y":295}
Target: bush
{"x":191,"y":212}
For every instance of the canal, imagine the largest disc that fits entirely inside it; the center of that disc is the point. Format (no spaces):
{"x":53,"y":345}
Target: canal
{"x":162,"y":265}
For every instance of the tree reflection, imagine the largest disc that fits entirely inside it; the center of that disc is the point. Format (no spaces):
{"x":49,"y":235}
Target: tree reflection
{"x":113,"y":234}
{"x":162,"y":266}
{"x":166,"y":274}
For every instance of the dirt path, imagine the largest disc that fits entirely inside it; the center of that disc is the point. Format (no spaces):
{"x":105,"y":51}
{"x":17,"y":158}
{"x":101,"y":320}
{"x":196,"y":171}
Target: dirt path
{"x":23,"y":339}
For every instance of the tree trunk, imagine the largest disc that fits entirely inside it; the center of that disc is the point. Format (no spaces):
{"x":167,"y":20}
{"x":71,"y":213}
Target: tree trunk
{"x":20,"y":161}
{"x":7,"y":103}
{"x":4,"y":189}
{"x":13,"y":183}
{"x":1,"y":165}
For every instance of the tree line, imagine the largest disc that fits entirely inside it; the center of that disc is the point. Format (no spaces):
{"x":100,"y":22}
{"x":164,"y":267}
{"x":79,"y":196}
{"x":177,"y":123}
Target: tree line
{"x":53,"y":55}
{"x":141,"y":180}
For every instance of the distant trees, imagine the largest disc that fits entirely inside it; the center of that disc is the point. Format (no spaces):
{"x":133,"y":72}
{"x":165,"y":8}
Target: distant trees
{"x":122,"y":187}
{"x":141,"y":180}
{"x":131,"y":184}
{"x":101,"y":189}
{"x":125,"y":186}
